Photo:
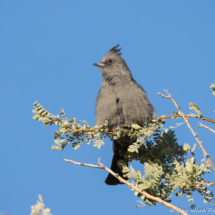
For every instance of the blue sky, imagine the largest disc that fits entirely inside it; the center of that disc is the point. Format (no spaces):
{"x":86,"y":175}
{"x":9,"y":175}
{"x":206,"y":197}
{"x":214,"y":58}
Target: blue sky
{"x":47,"y":49}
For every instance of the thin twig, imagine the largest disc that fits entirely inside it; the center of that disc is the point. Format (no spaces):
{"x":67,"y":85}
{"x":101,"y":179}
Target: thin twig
{"x":210,"y":129}
{"x":188,"y":116}
{"x":188,"y":124}
{"x":208,"y":183}
{"x":83,"y":164}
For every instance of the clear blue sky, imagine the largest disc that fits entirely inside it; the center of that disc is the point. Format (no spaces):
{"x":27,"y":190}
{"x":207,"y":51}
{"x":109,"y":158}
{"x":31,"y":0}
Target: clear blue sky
{"x":47,"y":49}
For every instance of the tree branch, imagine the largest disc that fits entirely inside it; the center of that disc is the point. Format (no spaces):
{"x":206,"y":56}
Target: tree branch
{"x":187,"y":116}
{"x":210,"y":129}
{"x":188,"y":124}
{"x":140,"y":123}
{"x":83,"y":164}
{"x":208,"y":183}
{"x":131,"y":186}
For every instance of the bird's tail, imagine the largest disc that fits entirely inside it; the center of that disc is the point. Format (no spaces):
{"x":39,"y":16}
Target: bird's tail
{"x":116,"y":167}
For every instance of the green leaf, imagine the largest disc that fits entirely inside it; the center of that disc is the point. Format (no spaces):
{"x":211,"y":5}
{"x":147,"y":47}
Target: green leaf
{"x":177,"y":125}
{"x":57,"y":142}
{"x":41,"y":111}
{"x":205,"y":201}
{"x":188,"y":195}
{"x":135,"y":126}
{"x":145,"y":186}
{"x":143,"y":197}
{"x":72,"y":120}
{"x":54,"y":147}
{"x":195,"y":108}
{"x":125,"y":169}
{"x":193,"y":147}
{"x":35,"y":117}
{"x":141,"y":204}
{"x":88,"y":142}
{"x":213,"y":89}
{"x":45,"y":120}
{"x":132,"y":170}
{"x":139,"y":174}
{"x":186,"y":147}
{"x":192,"y":160}
{"x":35,"y":111}
{"x":208,"y":191}
{"x":76,"y":145}
{"x":134,"y":147}
{"x":40,"y":198}
{"x":98,"y":143}
{"x":47,"y":210}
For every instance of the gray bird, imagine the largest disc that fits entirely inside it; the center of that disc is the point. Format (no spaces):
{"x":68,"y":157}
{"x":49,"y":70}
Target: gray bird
{"x":120,"y":101}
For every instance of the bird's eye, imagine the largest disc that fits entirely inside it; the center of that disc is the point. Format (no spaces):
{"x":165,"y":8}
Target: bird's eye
{"x":110,"y":61}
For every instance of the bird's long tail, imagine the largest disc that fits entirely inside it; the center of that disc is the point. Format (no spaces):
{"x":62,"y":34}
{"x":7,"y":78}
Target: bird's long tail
{"x":116,"y":167}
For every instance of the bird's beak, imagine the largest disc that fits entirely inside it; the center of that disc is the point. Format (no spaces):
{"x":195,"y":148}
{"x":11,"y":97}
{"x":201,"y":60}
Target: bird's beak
{"x":98,"y":64}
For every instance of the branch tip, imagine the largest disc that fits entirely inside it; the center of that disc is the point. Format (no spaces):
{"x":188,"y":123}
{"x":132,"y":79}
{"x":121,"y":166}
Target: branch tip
{"x":207,"y":127}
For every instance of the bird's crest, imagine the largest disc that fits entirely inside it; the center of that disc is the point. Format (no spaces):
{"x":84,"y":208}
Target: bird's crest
{"x":114,"y":50}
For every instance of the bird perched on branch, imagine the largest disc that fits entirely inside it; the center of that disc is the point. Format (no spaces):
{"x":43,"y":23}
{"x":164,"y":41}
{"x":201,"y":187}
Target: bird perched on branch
{"x":120,"y":101}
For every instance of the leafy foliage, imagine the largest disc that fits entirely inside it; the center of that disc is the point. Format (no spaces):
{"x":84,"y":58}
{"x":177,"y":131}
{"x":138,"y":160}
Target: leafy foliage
{"x":194,"y":107}
{"x":71,"y":131}
{"x":39,"y":209}
{"x":166,"y":170}
{"x":168,"y":167}
{"x":213,"y":89}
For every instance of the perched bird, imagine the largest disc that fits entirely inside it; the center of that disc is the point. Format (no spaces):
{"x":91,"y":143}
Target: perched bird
{"x":120,"y":101}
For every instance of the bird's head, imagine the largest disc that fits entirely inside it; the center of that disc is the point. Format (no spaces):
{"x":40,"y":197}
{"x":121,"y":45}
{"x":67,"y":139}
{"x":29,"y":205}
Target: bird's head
{"x":113,"y":63}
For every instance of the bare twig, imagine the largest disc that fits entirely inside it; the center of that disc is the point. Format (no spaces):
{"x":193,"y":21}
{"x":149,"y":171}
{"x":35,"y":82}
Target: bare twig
{"x":210,"y":129}
{"x":167,"y":97}
{"x":208,"y":183}
{"x":188,"y":124}
{"x":188,"y":116}
{"x":131,"y":186}
{"x":83,"y":164}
